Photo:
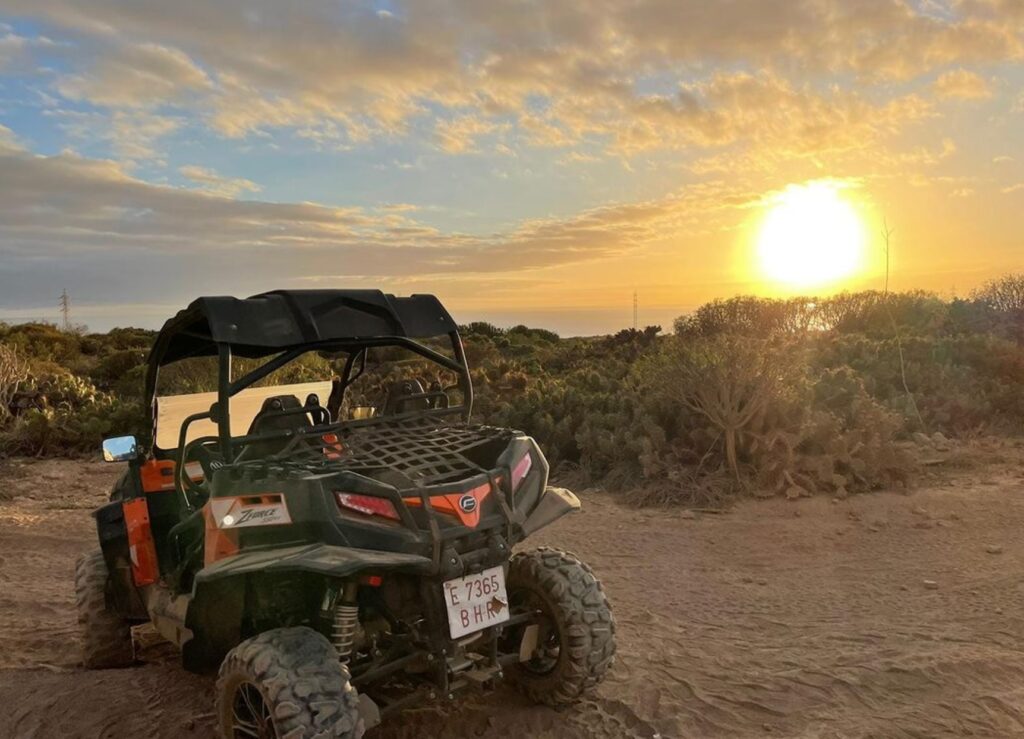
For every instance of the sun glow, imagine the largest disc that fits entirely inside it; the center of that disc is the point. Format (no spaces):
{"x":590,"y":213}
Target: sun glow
{"x":810,"y":236}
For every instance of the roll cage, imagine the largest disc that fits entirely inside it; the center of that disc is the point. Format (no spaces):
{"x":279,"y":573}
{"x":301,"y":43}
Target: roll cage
{"x":285,"y":324}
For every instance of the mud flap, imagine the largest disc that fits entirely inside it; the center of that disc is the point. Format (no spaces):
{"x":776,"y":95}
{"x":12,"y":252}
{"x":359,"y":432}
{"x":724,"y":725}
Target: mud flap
{"x":369,"y":711}
{"x":531,"y":637}
{"x":553,"y":504}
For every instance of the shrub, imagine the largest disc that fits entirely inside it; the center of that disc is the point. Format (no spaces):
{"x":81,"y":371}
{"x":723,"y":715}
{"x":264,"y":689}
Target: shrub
{"x":728,"y":380}
{"x":66,"y":431}
{"x":1005,"y":294}
{"x":13,"y":374}
{"x":751,"y":396}
{"x":756,"y":410}
{"x":1004,"y":300}
{"x":748,"y":316}
{"x":960,"y":383}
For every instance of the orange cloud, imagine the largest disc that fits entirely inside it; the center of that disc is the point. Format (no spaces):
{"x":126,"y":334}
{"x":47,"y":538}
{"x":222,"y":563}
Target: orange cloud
{"x":216,"y":184}
{"x":460,"y":135}
{"x":963,"y":85}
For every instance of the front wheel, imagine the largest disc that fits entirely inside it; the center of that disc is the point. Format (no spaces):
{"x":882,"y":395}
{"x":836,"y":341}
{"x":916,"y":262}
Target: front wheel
{"x":286,"y":684}
{"x":574,"y":643}
{"x":106,"y":637}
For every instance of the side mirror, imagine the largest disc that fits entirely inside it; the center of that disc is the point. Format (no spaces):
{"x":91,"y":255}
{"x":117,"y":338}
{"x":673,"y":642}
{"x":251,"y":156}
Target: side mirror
{"x":120,"y":449}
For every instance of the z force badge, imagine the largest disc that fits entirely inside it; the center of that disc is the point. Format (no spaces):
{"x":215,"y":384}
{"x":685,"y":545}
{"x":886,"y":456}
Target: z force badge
{"x":265,"y":509}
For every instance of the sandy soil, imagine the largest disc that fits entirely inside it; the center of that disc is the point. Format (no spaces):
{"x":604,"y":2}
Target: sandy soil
{"x":884,"y":615}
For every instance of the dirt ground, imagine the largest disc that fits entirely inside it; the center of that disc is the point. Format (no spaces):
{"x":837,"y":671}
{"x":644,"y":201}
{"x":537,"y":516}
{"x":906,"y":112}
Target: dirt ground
{"x":884,"y":615}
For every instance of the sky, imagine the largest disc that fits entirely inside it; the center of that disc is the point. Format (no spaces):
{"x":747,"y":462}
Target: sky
{"x":528,"y":162}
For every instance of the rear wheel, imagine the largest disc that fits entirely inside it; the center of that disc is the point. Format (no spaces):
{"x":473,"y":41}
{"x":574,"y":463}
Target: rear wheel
{"x":575,"y":638}
{"x":106,"y":637}
{"x":286,"y":684}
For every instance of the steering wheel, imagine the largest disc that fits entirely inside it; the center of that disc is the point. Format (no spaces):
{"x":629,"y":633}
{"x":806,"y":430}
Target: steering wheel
{"x":196,"y":451}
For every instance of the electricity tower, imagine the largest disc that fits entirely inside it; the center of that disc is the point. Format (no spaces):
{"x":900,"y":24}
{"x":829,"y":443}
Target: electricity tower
{"x":636,"y":304}
{"x":65,"y":309}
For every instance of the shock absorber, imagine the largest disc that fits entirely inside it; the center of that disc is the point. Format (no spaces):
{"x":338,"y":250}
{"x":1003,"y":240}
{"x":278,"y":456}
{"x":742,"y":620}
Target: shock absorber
{"x":346,"y":621}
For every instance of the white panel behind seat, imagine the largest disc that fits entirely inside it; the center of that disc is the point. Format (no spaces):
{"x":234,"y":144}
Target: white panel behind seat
{"x":172,"y":410}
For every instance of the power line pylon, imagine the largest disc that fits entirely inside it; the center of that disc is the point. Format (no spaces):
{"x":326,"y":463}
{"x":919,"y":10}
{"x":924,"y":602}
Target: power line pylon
{"x":65,"y":309}
{"x":636,"y":304}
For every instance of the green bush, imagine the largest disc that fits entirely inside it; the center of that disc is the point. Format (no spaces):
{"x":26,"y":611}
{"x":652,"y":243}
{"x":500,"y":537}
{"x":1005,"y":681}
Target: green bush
{"x":959,"y":383}
{"x":74,"y":417}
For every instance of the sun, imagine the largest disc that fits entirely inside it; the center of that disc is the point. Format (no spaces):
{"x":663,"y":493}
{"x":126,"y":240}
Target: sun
{"x":811,"y":236}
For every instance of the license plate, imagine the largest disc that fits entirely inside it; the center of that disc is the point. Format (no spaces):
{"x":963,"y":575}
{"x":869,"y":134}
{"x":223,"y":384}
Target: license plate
{"x":476,"y":601}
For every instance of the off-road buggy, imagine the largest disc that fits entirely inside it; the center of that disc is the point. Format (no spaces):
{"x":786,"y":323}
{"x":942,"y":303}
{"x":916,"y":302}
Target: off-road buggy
{"x":337,"y":560}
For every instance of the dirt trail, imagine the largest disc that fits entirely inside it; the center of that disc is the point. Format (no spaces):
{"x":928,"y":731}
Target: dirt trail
{"x":806,"y":619}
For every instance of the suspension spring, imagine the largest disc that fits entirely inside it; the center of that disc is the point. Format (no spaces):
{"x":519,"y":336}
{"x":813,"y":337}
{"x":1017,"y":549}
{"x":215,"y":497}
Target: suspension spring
{"x":343,"y":630}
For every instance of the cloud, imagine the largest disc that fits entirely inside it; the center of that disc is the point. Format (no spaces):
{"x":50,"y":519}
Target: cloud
{"x":577,"y":157}
{"x":541,"y":131}
{"x":131,"y":134}
{"x":95,"y":220}
{"x":399,"y":207}
{"x":11,"y":48}
{"x":8,"y":140}
{"x":136,"y":75}
{"x":759,"y":121}
{"x":16,"y":51}
{"x":460,"y":135}
{"x":352,"y":74}
{"x":963,"y":85}
{"x":210,"y":181}
{"x":875,"y":38}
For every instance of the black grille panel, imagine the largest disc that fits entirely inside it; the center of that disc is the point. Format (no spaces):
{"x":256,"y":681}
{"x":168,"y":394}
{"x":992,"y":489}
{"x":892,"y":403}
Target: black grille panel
{"x":408,"y":452}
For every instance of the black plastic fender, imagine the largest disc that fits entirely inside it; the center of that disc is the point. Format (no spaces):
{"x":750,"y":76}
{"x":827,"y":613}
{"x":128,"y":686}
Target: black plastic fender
{"x":221,"y":592}
{"x":322,"y":559}
{"x":553,"y":504}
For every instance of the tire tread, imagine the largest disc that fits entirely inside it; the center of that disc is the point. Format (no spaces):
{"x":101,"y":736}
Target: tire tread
{"x":106,"y":637}
{"x":582,"y":607}
{"x":298,"y":671}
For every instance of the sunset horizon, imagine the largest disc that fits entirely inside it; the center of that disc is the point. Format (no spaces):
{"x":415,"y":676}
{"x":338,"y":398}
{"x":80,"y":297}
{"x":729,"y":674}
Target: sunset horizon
{"x":534,"y":166}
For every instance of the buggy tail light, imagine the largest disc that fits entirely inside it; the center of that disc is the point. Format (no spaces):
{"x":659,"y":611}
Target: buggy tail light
{"x":521,"y":470}
{"x":368,"y":505}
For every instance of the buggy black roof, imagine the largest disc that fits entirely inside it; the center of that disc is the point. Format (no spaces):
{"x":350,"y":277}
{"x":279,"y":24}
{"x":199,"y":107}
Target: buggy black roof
{"x":272,"y":322}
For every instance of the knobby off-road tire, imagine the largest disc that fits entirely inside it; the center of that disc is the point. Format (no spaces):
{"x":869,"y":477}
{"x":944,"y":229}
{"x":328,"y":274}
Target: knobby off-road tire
{"x":295,"y":673}
{"x":106,"y":637}
{"x":573,"y":601}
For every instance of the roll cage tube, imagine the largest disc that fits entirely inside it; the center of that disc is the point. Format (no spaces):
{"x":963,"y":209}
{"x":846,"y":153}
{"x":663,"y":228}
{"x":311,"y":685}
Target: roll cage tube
{"x":224,"y":393}
{"x":227,"y":388}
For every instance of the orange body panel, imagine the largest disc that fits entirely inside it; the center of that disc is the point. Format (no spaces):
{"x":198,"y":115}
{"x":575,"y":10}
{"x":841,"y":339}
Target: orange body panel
{"x":145,"y":569}
{"x":450,"y":504}
{"x":220,"y":543}
{"x":157,"y":475}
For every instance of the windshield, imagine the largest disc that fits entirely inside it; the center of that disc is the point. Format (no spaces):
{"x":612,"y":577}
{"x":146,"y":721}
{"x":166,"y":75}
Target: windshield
{"x":172,"y":410}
